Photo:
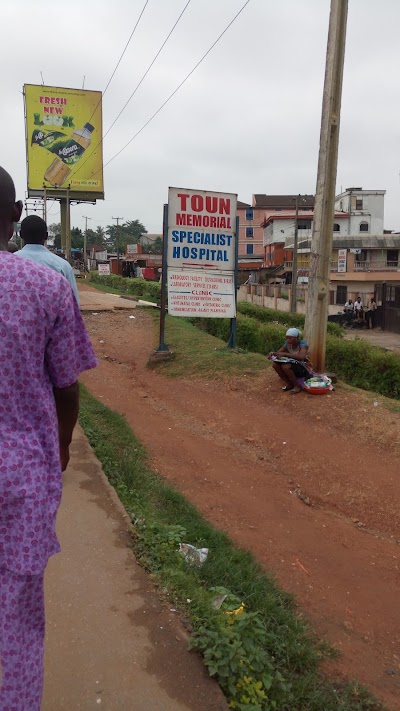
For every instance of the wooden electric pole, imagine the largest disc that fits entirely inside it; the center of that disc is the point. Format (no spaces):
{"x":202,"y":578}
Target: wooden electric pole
{"x":117,"y":239}
{"x":321,"y":243}
{"x":293,"y":292}
{"x":85,"y":244}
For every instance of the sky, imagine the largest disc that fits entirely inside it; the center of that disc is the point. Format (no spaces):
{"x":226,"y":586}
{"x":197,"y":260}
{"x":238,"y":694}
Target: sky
{"x":248,"y":119}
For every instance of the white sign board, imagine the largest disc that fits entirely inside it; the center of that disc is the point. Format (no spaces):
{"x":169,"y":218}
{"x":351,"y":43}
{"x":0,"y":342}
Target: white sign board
{"x":104,"y":269}
{"x":201,"y":229}
{"x":342,"y":260}
{"x":131,"y":249}
{"x":194,"y":292}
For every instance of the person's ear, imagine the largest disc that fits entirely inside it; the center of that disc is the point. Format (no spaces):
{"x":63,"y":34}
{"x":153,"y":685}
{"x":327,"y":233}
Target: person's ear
{"x":17,"y":211}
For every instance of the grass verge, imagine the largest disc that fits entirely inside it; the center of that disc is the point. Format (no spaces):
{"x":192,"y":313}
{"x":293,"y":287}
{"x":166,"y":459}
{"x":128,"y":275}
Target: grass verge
{"x":200,"y":354}
{"x":255,"y":644}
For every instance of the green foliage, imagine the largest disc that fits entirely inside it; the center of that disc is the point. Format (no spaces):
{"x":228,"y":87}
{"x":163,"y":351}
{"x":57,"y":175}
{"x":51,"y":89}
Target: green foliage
{"x":135,"y":287}
{"x":365,"y":366}
{"x":256,"y":645}
{"x":288,"y":319}
{"x":129,"y":232}
{"x":357,"y":362}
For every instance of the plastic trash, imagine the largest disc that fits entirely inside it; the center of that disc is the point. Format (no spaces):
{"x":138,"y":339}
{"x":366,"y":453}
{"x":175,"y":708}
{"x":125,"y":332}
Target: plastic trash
{"x":198,"y":556}
{"x":132,"y":316}
{"x":376,"y":403}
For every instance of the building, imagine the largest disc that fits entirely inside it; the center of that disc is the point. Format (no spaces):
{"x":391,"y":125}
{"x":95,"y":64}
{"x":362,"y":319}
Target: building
{"x":252,"y":218}
{"x":149,"y":239}
{"x":361,"y":260}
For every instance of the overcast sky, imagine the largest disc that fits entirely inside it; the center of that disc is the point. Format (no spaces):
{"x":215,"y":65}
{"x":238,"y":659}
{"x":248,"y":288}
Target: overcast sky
{"x":248,"y":119}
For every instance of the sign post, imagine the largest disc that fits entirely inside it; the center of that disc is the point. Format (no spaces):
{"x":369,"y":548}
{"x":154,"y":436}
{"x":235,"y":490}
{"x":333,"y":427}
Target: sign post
{"x":162,"y":347}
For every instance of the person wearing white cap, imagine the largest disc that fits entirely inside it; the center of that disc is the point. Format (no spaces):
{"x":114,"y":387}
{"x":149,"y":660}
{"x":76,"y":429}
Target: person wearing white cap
{"x":291,"y":370}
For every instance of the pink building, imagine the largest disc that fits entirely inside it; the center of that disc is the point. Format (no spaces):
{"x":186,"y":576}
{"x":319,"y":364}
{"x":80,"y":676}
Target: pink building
{"x":252,"y":219}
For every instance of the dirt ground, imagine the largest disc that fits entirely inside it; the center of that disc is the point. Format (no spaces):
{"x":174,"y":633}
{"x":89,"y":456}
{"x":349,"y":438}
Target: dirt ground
{"x":310,"y":484}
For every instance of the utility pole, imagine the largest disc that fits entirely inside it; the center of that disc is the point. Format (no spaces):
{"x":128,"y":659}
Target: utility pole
{"x":117,"y":240}
{"x":293,"y":292}
{"x":321,"y":244}
{"x":85,"y":244}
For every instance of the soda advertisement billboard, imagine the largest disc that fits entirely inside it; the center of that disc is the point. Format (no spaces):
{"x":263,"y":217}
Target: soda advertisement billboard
{"x":63,"y":136}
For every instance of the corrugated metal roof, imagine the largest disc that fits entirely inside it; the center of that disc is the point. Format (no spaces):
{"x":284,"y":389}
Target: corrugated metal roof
{"x":281,"y":201}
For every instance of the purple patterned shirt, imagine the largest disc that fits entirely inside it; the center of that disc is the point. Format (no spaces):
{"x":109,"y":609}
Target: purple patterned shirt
{"x":43,"y":343}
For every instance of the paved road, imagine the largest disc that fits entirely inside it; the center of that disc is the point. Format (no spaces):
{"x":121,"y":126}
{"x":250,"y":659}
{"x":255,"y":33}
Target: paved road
{"x":111,"y":644}
{"x":384,"y":339}
{"x":94,"y":300}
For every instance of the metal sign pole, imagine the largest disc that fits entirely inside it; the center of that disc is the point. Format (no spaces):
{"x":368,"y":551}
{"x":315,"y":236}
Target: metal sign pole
{"x":232,"y":336}
{"x":162,"y":345}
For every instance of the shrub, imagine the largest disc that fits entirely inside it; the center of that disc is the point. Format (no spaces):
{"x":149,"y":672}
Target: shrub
{"x":134,"y":287}
{"x":358,"y":363}
{"x":291,"y":320}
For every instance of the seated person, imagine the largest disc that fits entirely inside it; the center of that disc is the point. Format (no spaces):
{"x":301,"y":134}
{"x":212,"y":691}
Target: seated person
{"x":290,"y":372}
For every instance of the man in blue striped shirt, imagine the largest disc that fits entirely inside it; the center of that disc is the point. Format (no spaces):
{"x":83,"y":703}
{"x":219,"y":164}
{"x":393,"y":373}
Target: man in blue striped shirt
{"x":34,"y":235}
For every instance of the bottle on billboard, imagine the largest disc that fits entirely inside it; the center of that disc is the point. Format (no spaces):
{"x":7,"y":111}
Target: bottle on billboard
{"x":68,"y":154}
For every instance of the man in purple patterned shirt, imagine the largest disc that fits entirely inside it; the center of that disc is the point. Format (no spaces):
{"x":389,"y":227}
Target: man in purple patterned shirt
{"x":43,"y":348}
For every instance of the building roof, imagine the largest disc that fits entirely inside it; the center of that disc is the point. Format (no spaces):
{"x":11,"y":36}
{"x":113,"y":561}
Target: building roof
{"x":362,"y":242}
{"x":243,"y":205}
{"x":284,"y":202}
{"x":302,"y":215}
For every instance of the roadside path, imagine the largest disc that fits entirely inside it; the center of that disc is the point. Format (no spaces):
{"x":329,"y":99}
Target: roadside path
{"x":111,"y":643}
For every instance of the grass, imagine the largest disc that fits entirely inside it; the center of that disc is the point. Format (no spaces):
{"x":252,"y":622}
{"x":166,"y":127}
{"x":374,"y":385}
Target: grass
{"x":264,"y":658}
{"x":202,"y":355}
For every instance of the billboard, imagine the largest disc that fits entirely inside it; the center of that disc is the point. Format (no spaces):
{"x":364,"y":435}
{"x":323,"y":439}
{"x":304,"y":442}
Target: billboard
{"x":63,"y":142}
{"x":207,"y":293}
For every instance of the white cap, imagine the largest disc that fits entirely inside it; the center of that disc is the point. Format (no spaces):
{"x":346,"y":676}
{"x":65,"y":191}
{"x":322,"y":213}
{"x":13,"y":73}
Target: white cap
{"x":293,"y":332}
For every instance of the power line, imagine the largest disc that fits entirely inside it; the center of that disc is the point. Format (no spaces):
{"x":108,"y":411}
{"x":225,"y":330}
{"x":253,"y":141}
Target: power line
{"x":126,"y":46}
{"x":119,"y":61}
{"x":100,"y":143}
{"x":175,"y":91}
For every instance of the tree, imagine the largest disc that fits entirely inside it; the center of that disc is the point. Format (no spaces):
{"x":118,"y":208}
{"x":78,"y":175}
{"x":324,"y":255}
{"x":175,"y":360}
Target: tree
{"x":54,"y":231}
{"x":76,"y":238}
{"x":129,"y":232}
{"x":154,"y":247}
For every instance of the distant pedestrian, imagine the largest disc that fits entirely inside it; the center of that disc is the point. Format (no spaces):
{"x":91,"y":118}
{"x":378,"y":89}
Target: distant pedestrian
{"x":371,"y":313}
{"x":43,"y":348}
{"x":349,"y":307}
{"x":359,"y":309}
{"x":34,"y":235}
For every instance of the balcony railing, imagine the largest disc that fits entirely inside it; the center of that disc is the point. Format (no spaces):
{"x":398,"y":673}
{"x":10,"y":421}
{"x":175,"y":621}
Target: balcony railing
{"x":382,"y":266}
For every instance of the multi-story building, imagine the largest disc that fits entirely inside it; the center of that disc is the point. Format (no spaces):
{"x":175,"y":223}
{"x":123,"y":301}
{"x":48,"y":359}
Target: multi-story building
{"x":362,"y":258}
{"x":252,"y":218}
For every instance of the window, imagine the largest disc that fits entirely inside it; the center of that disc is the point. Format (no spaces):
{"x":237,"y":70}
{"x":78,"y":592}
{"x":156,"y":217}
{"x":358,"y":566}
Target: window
{"x":249,"y":232}
{"x":304,"y":224}
{"x":364,"y":227}
{"x":249,"y":249}
{"x":359,"y":203}
{"x":336,"y":227}
{"x":341,"y":294}
{"x":249,"y":214}
{"x":392,"y":257}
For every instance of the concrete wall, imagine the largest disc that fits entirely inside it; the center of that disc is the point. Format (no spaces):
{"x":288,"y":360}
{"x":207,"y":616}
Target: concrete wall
{"x":259,"y":295}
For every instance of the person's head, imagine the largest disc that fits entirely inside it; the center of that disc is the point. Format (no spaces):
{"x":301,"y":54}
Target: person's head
{"x":350,"y":301}
{"x":373,"y":300}
{"x":358,"y":299}
{"x":293,"y":336}
{"x":10,"y":210}
{"x":33,"y":230}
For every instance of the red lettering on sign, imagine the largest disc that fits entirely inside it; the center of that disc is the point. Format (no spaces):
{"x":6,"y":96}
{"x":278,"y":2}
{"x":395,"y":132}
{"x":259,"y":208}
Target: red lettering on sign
{"x":183,"y":198}
{"x":211,"y":204}
{"x":197,"y":203}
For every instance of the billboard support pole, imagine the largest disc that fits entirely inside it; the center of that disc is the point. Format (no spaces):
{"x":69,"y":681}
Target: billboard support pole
{"x":232,"y":337}
{"x":162,"y":347}
{"x":44,"y":204}
{"x":68,"y":229}
{"x":63,"y":218}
